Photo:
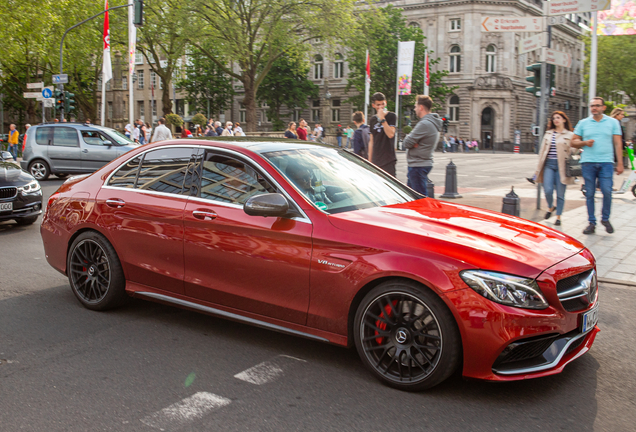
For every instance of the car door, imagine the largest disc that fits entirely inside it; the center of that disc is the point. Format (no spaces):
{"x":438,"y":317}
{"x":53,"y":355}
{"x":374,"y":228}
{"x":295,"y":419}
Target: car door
{"x":64,"y":153}
{"x":142,"y":206}
{"x":97,"y":150}
{"x":254,"y":264}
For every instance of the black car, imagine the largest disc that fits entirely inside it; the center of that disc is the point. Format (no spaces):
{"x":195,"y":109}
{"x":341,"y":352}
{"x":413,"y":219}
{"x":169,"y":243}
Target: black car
{"x":20,"y":193}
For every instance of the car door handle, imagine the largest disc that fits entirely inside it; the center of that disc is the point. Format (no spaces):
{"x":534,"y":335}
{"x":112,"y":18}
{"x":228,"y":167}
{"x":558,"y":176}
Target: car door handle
{"x":204,"y":214}
{"x":85,"y":151}
{"x":115,"y":203}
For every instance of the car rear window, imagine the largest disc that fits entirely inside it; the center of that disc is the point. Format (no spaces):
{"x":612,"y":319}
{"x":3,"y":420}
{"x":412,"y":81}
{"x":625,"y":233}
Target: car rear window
{"x":126,"y":175}
{"x":65,"y":137}
{"x":43,"y":135}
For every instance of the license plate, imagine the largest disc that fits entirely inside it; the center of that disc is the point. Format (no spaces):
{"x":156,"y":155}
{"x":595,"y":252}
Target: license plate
{"x":590,"y":318}
{"x":6,"y":206}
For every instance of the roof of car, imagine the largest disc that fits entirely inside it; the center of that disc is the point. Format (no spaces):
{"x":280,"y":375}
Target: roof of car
{"x":264,"y":144}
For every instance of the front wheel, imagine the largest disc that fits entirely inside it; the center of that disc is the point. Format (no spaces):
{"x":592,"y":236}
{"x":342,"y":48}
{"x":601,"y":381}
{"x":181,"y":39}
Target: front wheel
{"x":406,"y":336}
{"x":95,"y":273}
{"x":634,"y":190}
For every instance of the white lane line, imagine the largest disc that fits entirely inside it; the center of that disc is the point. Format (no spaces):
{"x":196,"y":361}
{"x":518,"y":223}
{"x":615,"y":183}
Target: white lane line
{"x":267,"y":371}
{"x":184,"y":411}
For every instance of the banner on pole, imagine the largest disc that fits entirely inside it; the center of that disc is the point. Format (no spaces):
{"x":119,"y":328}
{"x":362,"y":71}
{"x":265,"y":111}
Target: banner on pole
{"x":619,"y":20}
{"x":107,"y":67}
{"x":405,"y":67}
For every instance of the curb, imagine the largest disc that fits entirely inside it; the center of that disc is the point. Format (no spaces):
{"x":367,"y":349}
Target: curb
{"x":617,"y":282}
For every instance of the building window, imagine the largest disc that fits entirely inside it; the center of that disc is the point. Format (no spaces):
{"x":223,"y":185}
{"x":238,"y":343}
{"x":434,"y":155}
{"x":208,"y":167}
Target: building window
{"x":455,"y":24}
{"x":140,"y":79}
{"x":180,"y":108}
{"x":315,"y":115}
{"x":335,"y":115}
{"x":124,"y":81}
{"x":154,"y":109}
{"x":108,"y":84}
{"x":455,"y":62}
{"x":338,"y":66}
{"x":125,"y":112}
{"x":142,"y":110}
{"x":453,"y":108}
{"x":139,"y":58}
{"x":241,"y":113}
{"x":491,"y":64}
{"x":295,"y":115}
{"x":318,"y":62}
{"x":414,"y":25}
{"x":110,"y":110}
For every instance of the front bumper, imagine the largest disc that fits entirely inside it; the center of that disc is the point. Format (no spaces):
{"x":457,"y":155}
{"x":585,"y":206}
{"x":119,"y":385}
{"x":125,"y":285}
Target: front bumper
{"x":503,"y":343}
{"x":23,"y":206}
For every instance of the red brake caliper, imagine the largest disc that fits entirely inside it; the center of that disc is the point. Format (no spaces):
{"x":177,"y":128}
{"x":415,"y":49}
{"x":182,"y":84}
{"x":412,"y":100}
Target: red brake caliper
{"x":381,"y":324}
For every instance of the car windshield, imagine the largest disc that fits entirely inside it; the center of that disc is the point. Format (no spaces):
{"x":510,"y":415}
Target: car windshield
{"x":119,"y":137}
{"x":337,"y":181}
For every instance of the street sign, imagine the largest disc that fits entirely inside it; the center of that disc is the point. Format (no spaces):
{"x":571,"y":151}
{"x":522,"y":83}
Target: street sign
{"x":563,"y":7}
{"x":31,"y":94}
{"x":47,"y":92}
{"x":557,"y":58}
{"x":48,"y":103}
{"x":554,"y":20}
{"x":512,"y":24}
{"x":60,"y":79}
{"x":35,"y":85}
{"x":530,"y":44}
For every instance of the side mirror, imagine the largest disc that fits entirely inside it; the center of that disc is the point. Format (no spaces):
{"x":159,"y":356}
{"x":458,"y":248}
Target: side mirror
{"x":271,"y":204}
{"x":5,"y":155}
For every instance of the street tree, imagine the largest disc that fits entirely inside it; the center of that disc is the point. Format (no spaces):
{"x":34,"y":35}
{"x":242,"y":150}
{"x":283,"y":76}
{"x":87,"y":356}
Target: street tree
{"x":288,"y":72}
{"x":249,"y":36}
{"x":380,"y":31}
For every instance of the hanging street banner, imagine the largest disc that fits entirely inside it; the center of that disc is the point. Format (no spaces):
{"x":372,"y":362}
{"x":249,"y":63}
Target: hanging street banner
{"x":512,"y":24}
{"x":557,"y":58}
{"x":530,"y":44}
{"x":619,"y":20}
{"x":563,"y":7}
{"x":406,"y":50}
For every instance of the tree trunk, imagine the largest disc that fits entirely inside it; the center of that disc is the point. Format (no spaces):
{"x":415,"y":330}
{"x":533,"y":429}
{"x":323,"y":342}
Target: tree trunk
{"x":250,"y":103}
{"x":166,"y":100}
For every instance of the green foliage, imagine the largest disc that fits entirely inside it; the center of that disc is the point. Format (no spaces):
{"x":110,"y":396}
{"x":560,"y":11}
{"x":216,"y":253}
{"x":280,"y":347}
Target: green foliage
{"x":290,"y":73}
{"x":615,"y":72}
{"x":407,"y":129}
{"x":199,"y":119}
{"x":174,"y":119}
{"x":208,"y":87}
{"x":380,"y":31}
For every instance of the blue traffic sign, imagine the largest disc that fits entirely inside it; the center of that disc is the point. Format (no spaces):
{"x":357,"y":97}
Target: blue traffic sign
{"x":60,"y":79}
{"x":47,"y":93}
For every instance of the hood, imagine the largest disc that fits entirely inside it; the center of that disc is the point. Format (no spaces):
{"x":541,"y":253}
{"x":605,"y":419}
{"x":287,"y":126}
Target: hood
{"x":475,"y":237}
{"x":435,"y":120}
{"x":12,"y":175}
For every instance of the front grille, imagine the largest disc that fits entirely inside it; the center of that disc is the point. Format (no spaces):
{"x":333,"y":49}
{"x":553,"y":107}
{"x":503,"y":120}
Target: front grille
{"x":581,"y":298}
{"x":8,"y":192}
{"x":526,"y":349}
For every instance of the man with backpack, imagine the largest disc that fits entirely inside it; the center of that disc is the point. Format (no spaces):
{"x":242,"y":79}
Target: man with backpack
{"x":361,"y":135}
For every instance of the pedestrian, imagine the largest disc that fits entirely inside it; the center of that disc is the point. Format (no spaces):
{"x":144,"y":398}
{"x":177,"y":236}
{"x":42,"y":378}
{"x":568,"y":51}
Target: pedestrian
{"x":453,"y":146}
{"x":238,"y":130}
{"x":382,"y":124}
{"x":142,"y":132}
{"x":290,"y":132}
{"x":619,"y":114}
{"x":148,"y":132}
{"x":475,"y":145}
{"x":161,"y":131}
{"x":301,"y":131}
{"x":185,"y":133}
{"x":228,"y":129}
{"x":14,"y":136}
{"x":128,"y":130}
{"x":218,"y":128}
{"x":600,"y":136}
{"x":87,"y":122}
{"x":198,"y":131}
{"x":420,"y":145}
{"x":350,"y":132}
{"x":339,"y":135}
{"x":26,"y":129}
{"x":318,"y":132}
{"x":209,"y":131}
{"x":551,"y":169}
{"x":361,"y":135}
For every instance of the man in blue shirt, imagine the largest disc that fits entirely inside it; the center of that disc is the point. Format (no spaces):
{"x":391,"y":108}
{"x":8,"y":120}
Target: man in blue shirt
{"x":600,"y":137}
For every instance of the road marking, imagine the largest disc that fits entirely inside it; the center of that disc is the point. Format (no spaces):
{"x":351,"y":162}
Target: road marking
{"x":265,"y":372}
{"x":186,"y":410}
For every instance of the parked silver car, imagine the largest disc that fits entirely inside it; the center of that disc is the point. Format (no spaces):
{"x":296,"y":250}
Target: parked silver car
{"x":70,"y":148}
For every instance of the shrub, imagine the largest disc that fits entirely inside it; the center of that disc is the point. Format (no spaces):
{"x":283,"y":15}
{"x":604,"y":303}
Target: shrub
{"x":174,"y":120}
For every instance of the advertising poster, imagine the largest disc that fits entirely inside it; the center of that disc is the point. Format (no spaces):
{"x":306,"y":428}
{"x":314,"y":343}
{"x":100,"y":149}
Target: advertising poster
{"x":619,"y":20}
{"x":405,"y":67}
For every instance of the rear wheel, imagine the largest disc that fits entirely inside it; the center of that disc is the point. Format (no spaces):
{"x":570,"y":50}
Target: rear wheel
{"x":634,"y":190}
{"x":40,"y":170}
{"x":406,"y":336}
{"x":95,"y":273}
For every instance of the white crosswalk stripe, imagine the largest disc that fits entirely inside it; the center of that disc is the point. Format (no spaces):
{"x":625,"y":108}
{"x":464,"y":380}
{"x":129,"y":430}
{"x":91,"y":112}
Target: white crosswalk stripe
{"x":184,"y":411}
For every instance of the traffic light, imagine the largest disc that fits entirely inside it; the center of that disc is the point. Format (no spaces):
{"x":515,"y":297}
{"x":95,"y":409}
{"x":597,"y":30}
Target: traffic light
{"x":69,"y":102}
{"x":445,"y":124}
{"x":535,"y":78}
{"x":138,"y":6}
{"x":552,"y":71}
{"x":59,"y":99}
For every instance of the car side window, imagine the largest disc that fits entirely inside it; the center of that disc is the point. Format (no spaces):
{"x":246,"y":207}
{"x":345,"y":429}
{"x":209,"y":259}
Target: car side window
{"x":95,"y":138}
{"x":126,"y":175}
{"x":43,"y":135}
{"x":65,"y":137}
{"x":164,"y":170}
{"x":230,"y":180}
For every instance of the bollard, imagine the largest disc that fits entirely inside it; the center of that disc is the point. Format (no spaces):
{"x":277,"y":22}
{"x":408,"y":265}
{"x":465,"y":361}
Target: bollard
{"x":430,"y":188}
{"x":511,"y":204}
{"x":450,"y":188}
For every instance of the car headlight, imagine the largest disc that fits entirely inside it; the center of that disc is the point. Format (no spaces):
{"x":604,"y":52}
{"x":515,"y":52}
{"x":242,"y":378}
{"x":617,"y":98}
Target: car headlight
{"x":506,"y":289}
{"x":30,"y":188}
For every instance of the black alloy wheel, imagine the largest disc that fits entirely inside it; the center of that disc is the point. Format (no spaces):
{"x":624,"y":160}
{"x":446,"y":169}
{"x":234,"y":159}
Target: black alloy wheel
{"x":95,"y":273}
{"x":407,"y":336}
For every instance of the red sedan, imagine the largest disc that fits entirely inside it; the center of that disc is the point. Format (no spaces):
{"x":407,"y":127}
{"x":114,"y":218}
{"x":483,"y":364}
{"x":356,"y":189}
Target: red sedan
{"x":314,"y":241}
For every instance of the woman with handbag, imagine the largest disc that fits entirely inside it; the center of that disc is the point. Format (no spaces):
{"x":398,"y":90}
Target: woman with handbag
{"x":554,"y":156}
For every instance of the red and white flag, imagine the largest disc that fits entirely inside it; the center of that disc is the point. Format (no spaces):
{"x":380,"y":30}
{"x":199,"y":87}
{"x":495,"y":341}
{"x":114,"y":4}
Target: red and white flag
{"x":427,"y":72}
{"x":368,"y":69}
{"x":107,"y":67}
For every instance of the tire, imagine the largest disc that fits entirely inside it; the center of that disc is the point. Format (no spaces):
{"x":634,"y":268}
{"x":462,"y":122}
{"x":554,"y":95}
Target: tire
{"x":95,"y":272}
{"x":40,"y":170}
{"x":406,"y":336}
{"x":634,"y":190}
{"x":27,"y":220}
{"x":61,"y":175}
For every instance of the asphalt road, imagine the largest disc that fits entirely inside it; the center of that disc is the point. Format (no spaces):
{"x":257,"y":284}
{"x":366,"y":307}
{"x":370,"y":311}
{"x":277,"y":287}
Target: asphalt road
{"x":149,"y":367}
